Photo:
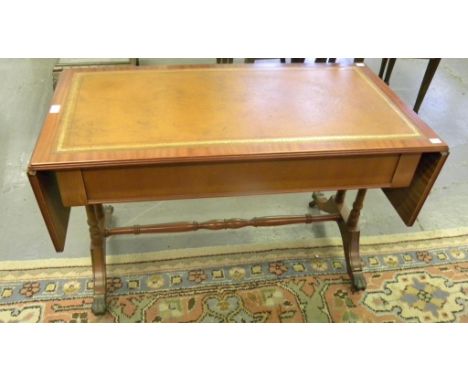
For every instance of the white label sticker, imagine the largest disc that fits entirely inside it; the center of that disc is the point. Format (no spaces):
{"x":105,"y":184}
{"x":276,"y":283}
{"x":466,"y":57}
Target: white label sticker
{"x":360,"y":64}
{"x":435,"y":140}
{"x":54,"y":109}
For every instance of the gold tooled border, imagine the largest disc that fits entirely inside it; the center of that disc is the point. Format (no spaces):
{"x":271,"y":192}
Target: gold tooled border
{"x":70,"y":105}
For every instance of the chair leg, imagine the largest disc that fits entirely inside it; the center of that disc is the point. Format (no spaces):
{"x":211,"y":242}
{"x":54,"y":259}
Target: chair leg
{"x":224,"y":60}
{"x":430,"y":71}
{"x":383,"y":66}
{"x":325,"y":60}
{"x":391,"y":64}
{"x":135,"y":61}
{"x":252,"y":60}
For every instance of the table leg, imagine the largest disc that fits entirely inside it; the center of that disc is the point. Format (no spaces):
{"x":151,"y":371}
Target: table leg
{"x":349,"y":229}
{"x":96,"y":223}
{"x":350,"y":233}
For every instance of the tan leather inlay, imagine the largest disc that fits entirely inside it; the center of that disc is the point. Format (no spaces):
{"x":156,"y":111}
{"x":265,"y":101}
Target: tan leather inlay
{"x":219,"y":106}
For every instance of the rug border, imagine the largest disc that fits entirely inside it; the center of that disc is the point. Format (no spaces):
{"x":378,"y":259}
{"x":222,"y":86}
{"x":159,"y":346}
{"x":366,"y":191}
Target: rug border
{"x":227,"y":249}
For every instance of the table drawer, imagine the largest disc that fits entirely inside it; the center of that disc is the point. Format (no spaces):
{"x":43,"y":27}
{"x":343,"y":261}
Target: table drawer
{"x":199,"y":180}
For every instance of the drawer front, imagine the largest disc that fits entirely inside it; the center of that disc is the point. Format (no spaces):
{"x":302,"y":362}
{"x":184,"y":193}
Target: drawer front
{"x":199,"y":180}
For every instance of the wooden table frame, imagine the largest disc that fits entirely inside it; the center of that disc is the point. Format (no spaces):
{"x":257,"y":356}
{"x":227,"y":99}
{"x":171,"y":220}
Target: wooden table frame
{"x":99,"y":217}
{"x":404,"y":167}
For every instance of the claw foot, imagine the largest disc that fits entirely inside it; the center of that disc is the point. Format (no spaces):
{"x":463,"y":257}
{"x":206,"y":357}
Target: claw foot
{"x":99,"y":305}
{"x":359,"y":281}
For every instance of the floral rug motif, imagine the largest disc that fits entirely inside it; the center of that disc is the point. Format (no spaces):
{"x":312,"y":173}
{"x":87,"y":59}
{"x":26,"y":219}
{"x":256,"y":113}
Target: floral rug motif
{"x":411,"y":278}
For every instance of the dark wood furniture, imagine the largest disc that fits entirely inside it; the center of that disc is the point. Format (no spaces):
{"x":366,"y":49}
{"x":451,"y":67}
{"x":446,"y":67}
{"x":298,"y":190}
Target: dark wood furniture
{"x":333,"y":60}
{"x":224,"y":60}
{"x":386,"y":69}
{"x":252,"y":60}
{"x":302,"y":60}
{"x":162,"y":133}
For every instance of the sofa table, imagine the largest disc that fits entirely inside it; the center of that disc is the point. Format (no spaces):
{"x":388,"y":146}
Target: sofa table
{"x":161,"y":133}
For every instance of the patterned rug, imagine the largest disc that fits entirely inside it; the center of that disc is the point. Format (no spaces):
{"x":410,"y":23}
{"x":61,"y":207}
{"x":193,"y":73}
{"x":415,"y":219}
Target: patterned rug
{"x":411,"y":278}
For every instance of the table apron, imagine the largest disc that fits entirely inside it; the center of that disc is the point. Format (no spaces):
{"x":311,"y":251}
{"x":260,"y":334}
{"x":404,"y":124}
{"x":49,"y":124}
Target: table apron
{"x":202,"y":180}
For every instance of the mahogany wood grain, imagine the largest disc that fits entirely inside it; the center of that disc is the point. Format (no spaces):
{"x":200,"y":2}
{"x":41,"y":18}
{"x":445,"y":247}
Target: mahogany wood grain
{"x":404,"y":171}
{"x":180,"y":181}
{"x":353,"y":219}
{"x":340,"y":197}
{"x":45,"y":188}
{"x":96,"y":225}
{"x":72,"y":188}
{"x":349,"y":229}
{"x":408,"y":201}
{"x":214,"y":225}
